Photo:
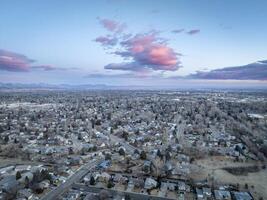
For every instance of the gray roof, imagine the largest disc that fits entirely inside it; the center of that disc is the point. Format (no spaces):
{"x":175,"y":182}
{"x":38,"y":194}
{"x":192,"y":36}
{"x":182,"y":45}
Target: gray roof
{"x":9,"y":184}
{"x":222,"y":195}
{"x":242,"y":196}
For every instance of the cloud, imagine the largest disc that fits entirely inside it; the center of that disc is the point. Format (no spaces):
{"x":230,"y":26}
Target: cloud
{"x":14,"y":62}
{"x":106,"y":40}
{"x":263,"y":61}
{"x":111,"y":25}
{"x":100,"y":75}
{"x":124,"y":66}
{"x":10,"y":61}
{"x":193,"y":32}
{"x":44,"y":67}
{"x":253,"y":71}
{"x":178,"y":31}
{"x":147,"y":51}
{"x":52,"y":68}
{"x":140,"y":52}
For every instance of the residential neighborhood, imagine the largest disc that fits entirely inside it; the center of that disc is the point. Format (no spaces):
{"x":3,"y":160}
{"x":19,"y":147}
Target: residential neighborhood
{"x":133,"y":145}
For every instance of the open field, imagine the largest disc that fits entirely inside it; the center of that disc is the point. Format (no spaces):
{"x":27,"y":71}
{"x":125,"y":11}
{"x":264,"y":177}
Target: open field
{"x":4,"y":162}
{"x":213,"y":167}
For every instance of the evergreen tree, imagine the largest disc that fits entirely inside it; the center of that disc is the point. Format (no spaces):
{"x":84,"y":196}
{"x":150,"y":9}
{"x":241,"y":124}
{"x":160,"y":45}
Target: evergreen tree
{"x":92,"y":180}
{"x":18,"y":175}
{"x":143,"y":155}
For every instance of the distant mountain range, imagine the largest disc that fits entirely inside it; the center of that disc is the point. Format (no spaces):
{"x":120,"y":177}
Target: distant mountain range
{"x":49,"y":86}
{"x":45,"y":86}
{"x":183,"y":85}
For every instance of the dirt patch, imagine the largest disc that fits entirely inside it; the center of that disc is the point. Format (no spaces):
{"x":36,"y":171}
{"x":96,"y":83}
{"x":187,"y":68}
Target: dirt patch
{"x":4,"y":162}
{"x":242,"y":170}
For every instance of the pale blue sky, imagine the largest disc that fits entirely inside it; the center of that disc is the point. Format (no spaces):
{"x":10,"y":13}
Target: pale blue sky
{"x":61,"y":33}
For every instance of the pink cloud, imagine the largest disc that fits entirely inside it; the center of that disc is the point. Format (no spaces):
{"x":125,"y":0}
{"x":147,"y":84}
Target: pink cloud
{"x":14,"y":62}
{"x":138,"y":43}
{"x":147,"y":52}
{"x":193,"y":32}
{"x":162,"y":55}
{"x":10,"y":61}
{"x":111,"y":25}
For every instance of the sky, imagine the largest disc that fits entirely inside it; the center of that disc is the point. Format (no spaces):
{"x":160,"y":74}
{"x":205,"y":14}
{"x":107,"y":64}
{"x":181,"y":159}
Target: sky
{"x":120,"y":42}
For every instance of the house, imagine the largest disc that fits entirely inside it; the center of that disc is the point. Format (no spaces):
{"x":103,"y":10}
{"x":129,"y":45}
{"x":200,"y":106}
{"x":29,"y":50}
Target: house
{"x":104,"y":165}
{"x":72,"y":196}
{"x":181,"y":186}
{"x":181,"y":196}
{"x":119,"y":178}
{"x":163,"y":190}
{"x":6,"y":169}
{"x":222,"y":195}
{"x":147,"y":166}
{"x":199,"y":192}
{"x":104,"y":177}
{"x":9,"y":185}
{"x":45,"y":184}
{"x":150,"y":183}
{"x":28,"y":176}
{"x":95,"y":175}
{"x":171,"y":186}
{"x":207,"y":192}
{"x":138,"y":183}
{"x":25,"y":194}
{"x":242,"y":196}
{"x":130,"y":186}
{"x":22,"y":168}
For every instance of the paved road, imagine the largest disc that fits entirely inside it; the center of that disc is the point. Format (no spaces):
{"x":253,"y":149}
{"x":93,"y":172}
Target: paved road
{"x":82,"y":171}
